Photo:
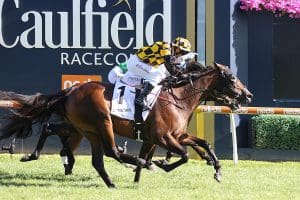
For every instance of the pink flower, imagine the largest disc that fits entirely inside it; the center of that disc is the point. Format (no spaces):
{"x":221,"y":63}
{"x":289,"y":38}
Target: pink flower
{"x":279,"y":7}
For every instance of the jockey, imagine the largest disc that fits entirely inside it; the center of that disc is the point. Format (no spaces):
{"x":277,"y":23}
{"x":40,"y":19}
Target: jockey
{"x":155,"y":62}
{"x":181,"y":48}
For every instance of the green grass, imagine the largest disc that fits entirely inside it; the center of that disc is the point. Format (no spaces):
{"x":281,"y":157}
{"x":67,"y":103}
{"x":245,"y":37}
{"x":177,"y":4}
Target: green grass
{"x":44,"y":179}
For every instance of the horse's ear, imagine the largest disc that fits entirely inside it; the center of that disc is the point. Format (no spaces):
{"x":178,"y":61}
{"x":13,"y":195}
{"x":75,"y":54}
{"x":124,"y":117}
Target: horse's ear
{"x":220,"y":67}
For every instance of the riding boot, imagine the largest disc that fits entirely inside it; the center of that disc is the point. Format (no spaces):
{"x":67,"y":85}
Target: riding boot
{"x":140,"y":100}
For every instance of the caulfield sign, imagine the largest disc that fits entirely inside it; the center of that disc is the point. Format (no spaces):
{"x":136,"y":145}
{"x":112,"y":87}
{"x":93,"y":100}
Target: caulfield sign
{"x":45,"y":41}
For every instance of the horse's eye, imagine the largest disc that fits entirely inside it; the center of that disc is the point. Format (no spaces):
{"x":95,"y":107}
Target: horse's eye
{"x":232,"y":78}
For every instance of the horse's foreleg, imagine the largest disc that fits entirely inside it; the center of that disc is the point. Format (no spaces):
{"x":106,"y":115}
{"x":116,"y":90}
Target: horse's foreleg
{"x":199,"y":151}
{"x":149,"y":164}
{"x":146,"y":153}
{"x":169,"y":155}
{"x":203,"y":155}
{"x":173,"y":146}
{"x":193,"y":141}
{"x":41,"y":142}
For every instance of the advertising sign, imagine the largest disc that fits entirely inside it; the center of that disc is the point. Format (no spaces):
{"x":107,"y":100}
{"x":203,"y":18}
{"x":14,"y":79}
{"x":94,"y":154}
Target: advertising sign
{"x":46,"y":46}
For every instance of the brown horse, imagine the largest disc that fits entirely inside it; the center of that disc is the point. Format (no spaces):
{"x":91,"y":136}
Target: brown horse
{"x":87,"y":108}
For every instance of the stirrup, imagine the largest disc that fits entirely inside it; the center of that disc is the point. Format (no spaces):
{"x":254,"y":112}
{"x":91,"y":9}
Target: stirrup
{"x":139,"y":132}
{"x":138,"y":127}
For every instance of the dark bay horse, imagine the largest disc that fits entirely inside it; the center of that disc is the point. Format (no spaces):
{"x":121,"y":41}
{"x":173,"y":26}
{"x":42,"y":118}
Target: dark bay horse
{"x":87,"y":108}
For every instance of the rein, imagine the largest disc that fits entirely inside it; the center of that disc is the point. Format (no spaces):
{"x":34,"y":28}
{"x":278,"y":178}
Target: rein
{"x":171,"y":102}
{"x":172,"y":83}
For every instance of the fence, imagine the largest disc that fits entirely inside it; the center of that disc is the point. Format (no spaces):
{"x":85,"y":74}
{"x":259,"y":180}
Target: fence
{"x":244,"y":110}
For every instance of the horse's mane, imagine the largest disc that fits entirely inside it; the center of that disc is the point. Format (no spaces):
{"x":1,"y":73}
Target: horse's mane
{"x":192,"y":71}
{"x":194,"y":66}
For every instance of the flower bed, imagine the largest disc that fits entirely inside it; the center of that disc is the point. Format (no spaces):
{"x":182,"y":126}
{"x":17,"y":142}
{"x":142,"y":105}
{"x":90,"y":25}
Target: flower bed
{"x":278,"y":7}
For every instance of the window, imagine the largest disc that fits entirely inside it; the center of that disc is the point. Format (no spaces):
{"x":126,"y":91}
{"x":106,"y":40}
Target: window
{"x":286,"y":59}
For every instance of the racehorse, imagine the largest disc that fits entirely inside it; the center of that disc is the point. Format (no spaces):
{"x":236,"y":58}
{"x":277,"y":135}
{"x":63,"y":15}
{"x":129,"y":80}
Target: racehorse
{"x":87,"y":108}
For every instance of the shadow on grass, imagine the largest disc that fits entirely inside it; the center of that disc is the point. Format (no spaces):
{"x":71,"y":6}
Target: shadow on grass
{"x":46,"y":180}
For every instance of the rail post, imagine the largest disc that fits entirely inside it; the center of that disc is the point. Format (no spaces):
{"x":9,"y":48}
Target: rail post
{"x":234,"y":141}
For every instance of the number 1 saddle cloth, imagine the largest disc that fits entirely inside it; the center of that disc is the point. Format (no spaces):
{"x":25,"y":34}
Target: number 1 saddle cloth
{"x":123,"y":100}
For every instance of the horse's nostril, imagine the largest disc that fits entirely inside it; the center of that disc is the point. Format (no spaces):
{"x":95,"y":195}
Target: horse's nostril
{"x":249,"y":96}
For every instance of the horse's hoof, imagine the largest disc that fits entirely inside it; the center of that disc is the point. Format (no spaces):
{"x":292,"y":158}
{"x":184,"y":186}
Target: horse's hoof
{"x":68,"y":169}
{"x":68,"y":172}
{"x":218,"y":177}
{"x":141,"y":162}
{"x":151,"y":167}
{"x":134,"y":169}
{"x":111,"y":186}
{"x":160,"y":163}
{"x":24,"y":158}
{"x":27,"y":158}
{"x":209,"y":162}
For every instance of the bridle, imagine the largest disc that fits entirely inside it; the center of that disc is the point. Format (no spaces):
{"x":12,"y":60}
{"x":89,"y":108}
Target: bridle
{"x":174,"y":81}
{"x":215,"y":94}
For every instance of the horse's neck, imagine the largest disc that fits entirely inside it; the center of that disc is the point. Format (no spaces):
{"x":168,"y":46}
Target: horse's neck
{"x":191,"y":95}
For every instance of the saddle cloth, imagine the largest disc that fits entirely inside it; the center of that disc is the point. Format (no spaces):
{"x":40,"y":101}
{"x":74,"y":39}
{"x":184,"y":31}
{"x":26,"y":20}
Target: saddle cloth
{"x":123,"y":100}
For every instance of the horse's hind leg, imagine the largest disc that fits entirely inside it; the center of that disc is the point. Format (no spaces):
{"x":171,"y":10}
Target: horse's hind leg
{"x":41,"y":142}
{"x":70,"y":141}
{"x":71,"y":144}
{"x":67,"y":156}
{"x":191,"y":140}
{"x":97,"y":160}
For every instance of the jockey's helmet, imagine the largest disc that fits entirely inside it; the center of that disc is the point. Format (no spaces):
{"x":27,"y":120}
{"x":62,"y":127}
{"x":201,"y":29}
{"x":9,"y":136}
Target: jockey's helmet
{"x":183,"y":44}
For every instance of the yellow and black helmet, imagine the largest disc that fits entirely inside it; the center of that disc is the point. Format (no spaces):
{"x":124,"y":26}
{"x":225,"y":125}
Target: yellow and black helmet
{"x":182,"y":43}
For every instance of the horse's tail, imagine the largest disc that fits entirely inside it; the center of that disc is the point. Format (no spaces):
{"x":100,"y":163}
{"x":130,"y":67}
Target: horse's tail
{"x":35,"y":109}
